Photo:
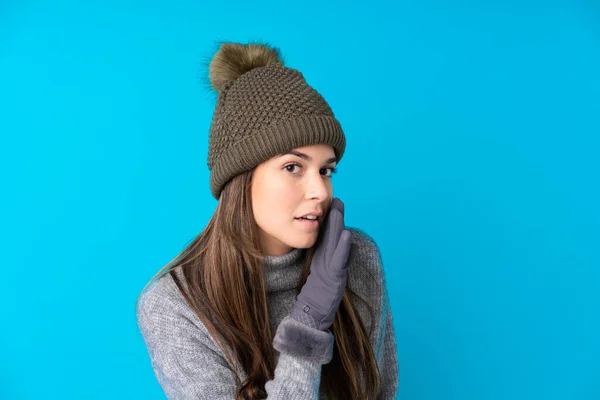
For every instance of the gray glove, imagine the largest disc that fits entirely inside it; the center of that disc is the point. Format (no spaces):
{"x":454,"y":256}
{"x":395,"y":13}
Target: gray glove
{"x":321,"y":295}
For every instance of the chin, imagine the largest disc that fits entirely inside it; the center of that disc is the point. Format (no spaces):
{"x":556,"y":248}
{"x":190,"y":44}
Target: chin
{"x":304,"y":243}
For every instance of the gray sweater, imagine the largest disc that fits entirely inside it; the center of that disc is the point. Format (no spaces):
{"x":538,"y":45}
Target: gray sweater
{"x":189,"y":364}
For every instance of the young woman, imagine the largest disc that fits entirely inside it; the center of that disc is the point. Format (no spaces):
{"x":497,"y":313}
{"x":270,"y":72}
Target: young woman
{"x":275,"y":298}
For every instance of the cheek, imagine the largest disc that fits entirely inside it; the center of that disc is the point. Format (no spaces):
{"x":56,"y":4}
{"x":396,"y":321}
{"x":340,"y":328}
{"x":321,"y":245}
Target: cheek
{"x":273,"y":200}
{"x":279,"y":203}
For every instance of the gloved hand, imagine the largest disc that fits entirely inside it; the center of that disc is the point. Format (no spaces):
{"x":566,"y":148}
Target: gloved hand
{"x":321,"y":295}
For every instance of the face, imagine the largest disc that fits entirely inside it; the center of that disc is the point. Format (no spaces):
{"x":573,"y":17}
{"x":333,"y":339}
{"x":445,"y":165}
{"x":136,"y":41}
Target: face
{"x":287,"y":187}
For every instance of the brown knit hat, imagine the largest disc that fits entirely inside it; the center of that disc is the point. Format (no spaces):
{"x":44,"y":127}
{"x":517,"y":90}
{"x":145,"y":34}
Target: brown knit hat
{"x":263,"y":109}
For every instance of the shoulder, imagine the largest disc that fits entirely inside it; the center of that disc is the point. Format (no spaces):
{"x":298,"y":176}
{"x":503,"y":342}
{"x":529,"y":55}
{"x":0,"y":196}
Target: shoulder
{"x":366,"y":278}
{"x":175,"y":336}
{"x":362,"y":239}
{"x":160,"y":296}
{"x":365,"y":252}
{"x":162,"y":309}
{"x":365,"y":265}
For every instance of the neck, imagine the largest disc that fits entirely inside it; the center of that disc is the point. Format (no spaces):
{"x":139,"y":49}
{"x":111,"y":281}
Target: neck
{"x":282,"y":272}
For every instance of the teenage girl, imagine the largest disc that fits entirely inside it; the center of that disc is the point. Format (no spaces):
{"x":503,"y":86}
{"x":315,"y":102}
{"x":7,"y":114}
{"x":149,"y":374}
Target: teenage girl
{"x":276,"y":298}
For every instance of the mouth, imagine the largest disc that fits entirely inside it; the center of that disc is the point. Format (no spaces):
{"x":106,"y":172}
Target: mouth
{"x":308,"y":223}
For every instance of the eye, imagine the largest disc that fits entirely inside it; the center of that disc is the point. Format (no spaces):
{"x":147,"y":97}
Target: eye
{"x":287,"y":167}
{"x":290,"y":168}
{"x":333,"y":171}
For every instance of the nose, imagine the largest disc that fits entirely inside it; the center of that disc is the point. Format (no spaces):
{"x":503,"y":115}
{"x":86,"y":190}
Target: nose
{"x":317,"y":188}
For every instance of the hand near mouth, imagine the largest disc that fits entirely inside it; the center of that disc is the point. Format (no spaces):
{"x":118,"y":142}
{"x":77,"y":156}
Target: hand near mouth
{"x":321,"y":295}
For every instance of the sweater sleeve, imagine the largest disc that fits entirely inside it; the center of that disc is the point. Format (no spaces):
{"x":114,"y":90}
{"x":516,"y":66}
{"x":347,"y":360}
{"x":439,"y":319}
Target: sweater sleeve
{"x":387,"y":357}
{"x":188,"y":364}
{"x":390,"y":373}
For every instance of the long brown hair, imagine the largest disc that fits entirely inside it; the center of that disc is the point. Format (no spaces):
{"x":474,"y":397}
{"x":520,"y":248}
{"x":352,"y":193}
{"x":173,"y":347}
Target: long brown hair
{"x":224,"y":285}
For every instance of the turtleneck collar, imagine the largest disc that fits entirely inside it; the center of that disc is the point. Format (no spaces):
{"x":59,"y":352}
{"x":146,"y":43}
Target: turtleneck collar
{"x":282,"y":272}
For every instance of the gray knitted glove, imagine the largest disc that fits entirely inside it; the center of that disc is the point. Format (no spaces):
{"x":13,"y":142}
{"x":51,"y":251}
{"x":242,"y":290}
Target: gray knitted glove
{"x":321,"y":295}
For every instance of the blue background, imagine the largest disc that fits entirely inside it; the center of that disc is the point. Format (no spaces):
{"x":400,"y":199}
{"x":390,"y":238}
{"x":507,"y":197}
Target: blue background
{"x":472,"y":160}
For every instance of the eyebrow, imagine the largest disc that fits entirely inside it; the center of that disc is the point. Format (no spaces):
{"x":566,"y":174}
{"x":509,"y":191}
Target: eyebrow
{"x":306,"y":156}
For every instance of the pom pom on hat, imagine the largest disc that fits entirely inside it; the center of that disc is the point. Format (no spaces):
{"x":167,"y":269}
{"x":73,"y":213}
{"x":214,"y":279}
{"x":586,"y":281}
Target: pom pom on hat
{"x":232,"y":60}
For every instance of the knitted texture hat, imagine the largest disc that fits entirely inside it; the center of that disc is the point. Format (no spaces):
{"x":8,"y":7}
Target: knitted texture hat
{"x":263,"y":109}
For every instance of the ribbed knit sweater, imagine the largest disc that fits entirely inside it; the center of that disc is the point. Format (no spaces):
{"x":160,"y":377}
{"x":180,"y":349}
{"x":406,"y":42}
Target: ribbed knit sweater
{"x":189,"y":364}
